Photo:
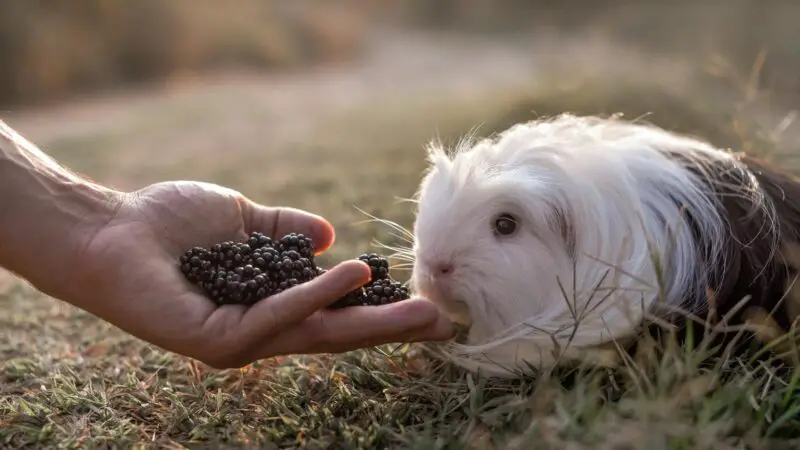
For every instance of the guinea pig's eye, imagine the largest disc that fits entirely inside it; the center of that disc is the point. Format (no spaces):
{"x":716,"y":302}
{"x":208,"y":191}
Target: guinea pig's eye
{"x":505,"y":224}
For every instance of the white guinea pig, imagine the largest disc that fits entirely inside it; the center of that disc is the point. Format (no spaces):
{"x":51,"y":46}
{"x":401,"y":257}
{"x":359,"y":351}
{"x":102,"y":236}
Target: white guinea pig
{"x":559,"y":235}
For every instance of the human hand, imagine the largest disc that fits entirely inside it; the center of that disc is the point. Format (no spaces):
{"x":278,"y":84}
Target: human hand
{"x":129,"y":276}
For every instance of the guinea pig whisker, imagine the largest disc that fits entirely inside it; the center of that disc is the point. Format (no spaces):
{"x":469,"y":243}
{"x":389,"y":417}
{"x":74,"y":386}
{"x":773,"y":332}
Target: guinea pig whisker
{"x":408,"y":235}
{"x":402,"y":238}
{"x":402,"y":265}
{"x":406,"y":200}
{"x":398,"y":252}
{"x":404,"y":247}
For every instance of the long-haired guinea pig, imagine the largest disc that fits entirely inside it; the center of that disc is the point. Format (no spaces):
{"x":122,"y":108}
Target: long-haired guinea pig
{"x":558,"y":236}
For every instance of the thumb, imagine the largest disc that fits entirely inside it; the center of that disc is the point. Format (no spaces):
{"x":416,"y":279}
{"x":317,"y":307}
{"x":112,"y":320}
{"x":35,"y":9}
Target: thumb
{"x":286,"y":309}
{"x":277,"y":221}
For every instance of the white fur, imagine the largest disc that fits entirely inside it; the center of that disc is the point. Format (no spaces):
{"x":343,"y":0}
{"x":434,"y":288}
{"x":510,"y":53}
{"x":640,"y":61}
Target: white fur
{"x":614,"y":181}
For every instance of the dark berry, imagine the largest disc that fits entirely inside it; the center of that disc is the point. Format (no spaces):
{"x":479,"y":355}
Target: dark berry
{"x":383,"y":292}
{"x":379,"y":265}
{"x":248,"y":271}
{"x":354,"y":298}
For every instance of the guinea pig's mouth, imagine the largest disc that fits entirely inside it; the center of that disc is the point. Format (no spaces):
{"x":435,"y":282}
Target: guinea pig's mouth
{"x":456,"y":310}
{"x":458,"y":313}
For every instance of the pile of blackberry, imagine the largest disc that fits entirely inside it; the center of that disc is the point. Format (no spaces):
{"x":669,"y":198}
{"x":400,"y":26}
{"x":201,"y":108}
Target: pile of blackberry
{"x":251,"y":270}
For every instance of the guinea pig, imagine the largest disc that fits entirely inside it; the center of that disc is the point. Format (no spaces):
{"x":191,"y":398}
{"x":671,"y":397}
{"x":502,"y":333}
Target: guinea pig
{"x":561,"y":235}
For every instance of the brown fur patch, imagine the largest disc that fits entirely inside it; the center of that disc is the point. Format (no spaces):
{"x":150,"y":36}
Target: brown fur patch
{"x":783,"y":191}
{"x":757,"y":286}
{"x":757,"y":269}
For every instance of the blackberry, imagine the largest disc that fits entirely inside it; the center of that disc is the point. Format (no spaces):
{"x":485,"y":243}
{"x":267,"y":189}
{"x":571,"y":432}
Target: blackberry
{"x":195,"y":262}
{"x":353,"y":298}
{"x":258,"y":240}
{"x":300,"y":243}
{"x":383,"y":292}
{"x":265,"y":258}
{"x":257,"y":267}
{"x":379,"y":265}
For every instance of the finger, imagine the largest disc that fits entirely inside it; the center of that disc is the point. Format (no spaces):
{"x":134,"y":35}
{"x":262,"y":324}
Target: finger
{"x":290,"y":307}
{"x":439,"y":330}
{"x":279,"y":221}
{"x":334,"y":331}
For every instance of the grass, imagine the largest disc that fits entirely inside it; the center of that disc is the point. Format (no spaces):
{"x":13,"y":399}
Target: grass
{"x":68,"y":380}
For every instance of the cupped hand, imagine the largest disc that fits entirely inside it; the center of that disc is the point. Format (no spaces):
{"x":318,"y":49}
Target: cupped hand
{"x":131,"y":278}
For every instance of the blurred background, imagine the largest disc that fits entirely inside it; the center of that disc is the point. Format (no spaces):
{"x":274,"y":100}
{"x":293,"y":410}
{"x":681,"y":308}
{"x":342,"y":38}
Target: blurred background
{"x":326,"y":104}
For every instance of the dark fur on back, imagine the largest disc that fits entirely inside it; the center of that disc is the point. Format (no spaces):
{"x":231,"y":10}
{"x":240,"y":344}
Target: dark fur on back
{"x":783,"y":191}
{"x":763,"y":249}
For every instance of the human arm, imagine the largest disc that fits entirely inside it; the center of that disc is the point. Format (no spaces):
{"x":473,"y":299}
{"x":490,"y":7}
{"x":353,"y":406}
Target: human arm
{"x":49,"y":216}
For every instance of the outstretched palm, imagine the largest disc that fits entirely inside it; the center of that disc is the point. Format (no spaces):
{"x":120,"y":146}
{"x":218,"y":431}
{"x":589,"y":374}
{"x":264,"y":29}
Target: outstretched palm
{"x":132,"y":263}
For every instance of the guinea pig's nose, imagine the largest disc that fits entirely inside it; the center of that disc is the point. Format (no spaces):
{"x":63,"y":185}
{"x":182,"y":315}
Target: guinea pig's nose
{"x":442,"y":269}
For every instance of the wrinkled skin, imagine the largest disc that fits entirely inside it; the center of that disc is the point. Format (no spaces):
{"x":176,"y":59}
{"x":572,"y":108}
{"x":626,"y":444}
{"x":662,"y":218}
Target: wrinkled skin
{"x":130,"y":266}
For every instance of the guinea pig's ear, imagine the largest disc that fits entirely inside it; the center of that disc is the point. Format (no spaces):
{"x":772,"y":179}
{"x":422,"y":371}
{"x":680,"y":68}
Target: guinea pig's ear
{"x":439,"y":165}
{"x":436,"y":155}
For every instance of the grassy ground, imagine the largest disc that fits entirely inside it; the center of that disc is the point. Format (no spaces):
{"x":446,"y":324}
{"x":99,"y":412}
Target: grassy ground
{"x":68,"y":380}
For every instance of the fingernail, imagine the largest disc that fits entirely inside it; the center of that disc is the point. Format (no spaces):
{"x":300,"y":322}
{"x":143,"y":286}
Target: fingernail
{"x":354,"y":271}
{"x":366,"y":272}
{"x":326,"y":235}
